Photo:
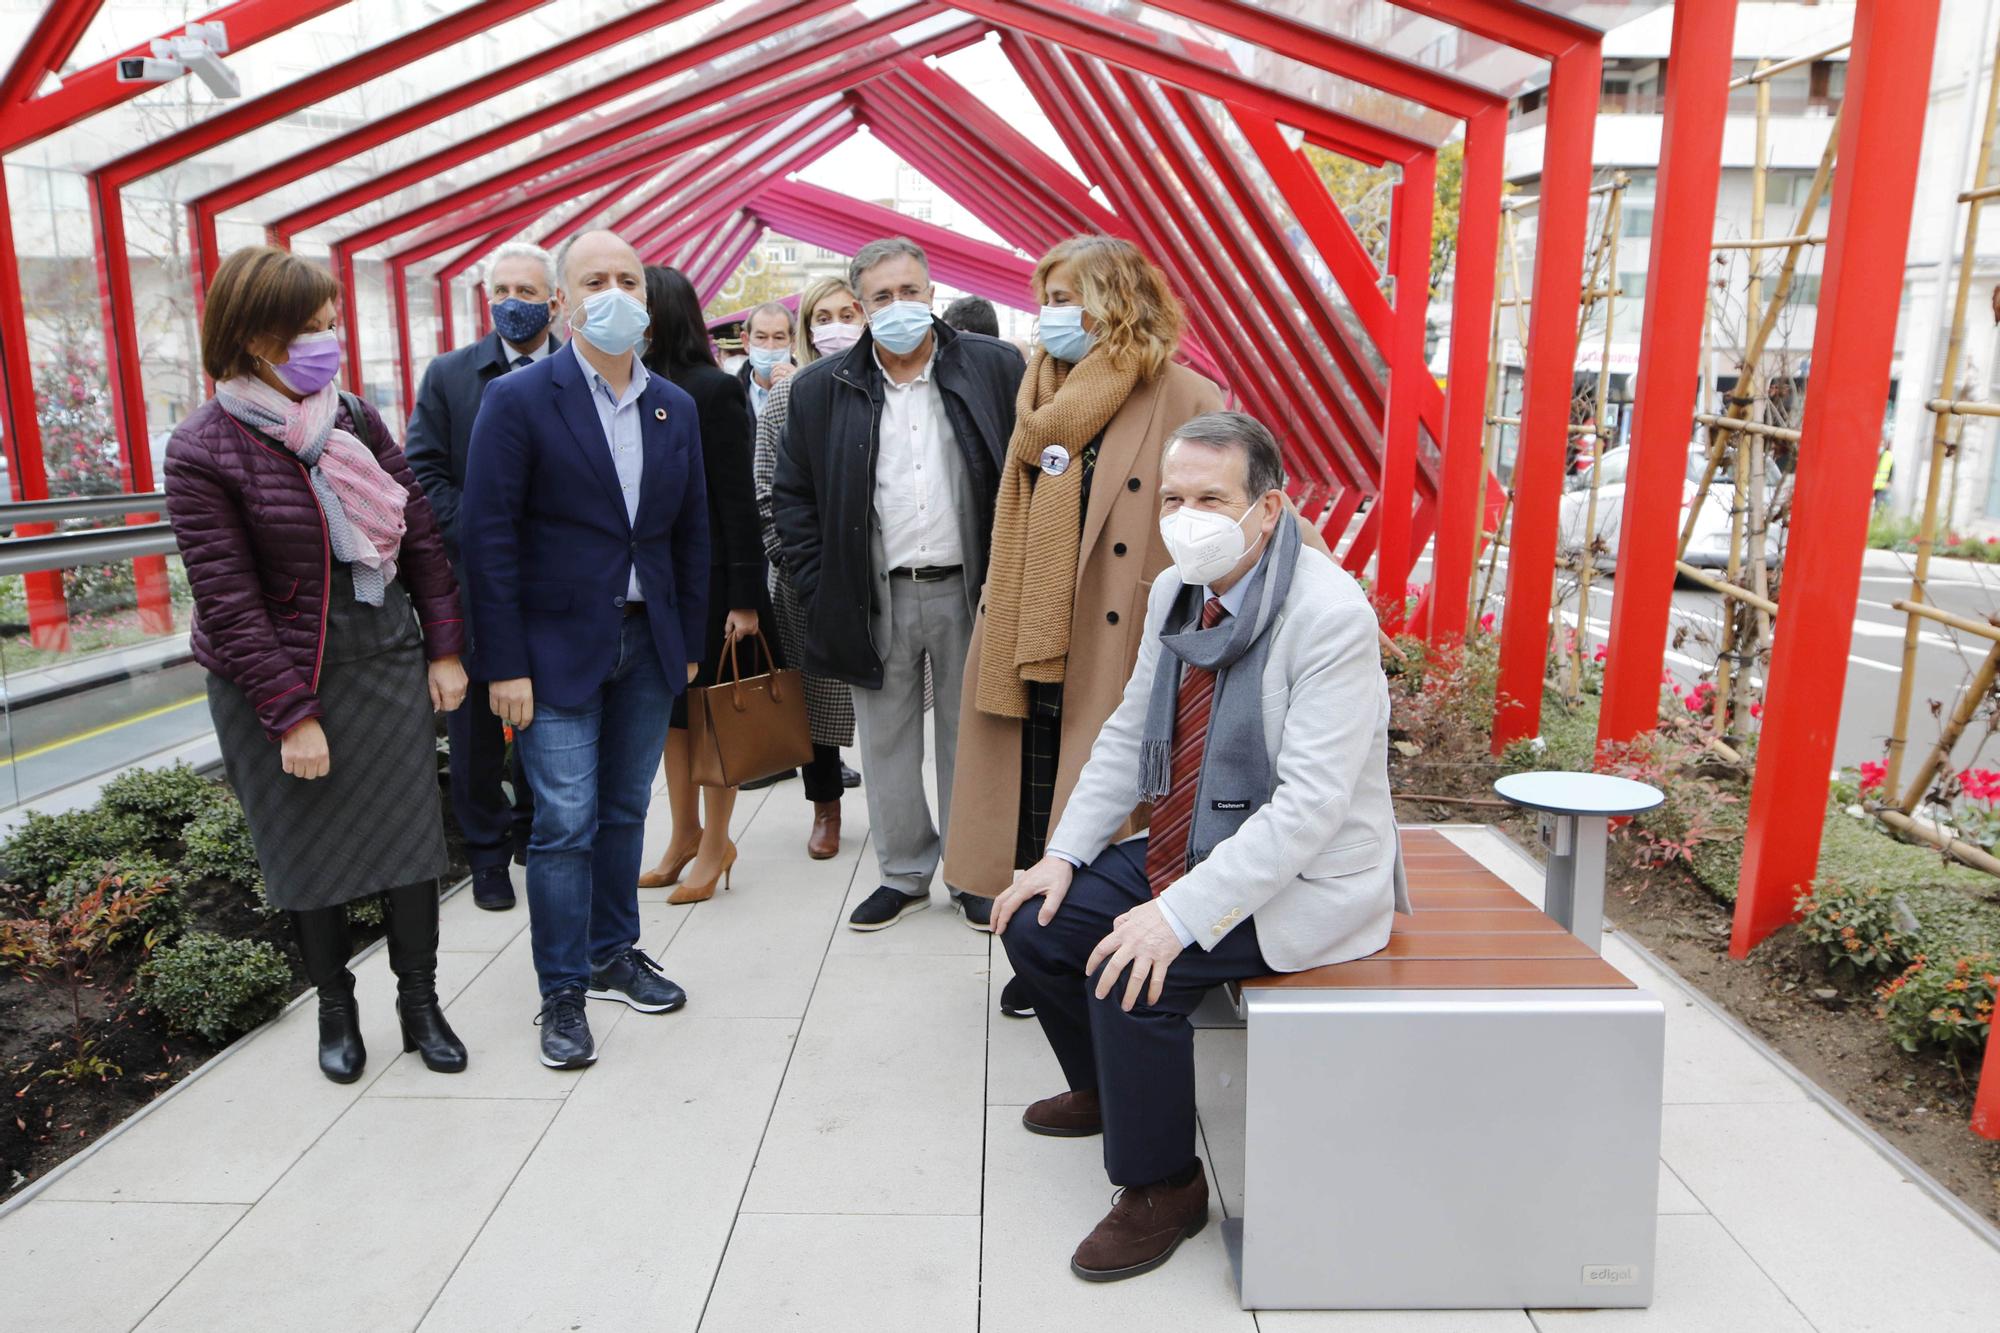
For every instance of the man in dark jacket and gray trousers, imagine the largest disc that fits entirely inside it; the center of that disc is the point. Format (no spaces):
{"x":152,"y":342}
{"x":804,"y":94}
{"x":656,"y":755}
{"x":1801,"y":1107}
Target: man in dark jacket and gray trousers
{"x":883,"y":501}
{"x":521,"y":283}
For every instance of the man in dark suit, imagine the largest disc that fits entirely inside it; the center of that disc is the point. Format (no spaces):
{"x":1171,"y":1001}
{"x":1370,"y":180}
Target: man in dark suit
{"x":767,"y":348}
{"x":521,"y":281}
{"x":585,"y":530}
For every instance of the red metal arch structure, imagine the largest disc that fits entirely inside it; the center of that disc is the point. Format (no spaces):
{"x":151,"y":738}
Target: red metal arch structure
{"x":692,"y":157}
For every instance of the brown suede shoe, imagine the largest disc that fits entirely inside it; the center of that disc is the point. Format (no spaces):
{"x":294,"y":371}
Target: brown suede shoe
{"x":1067,"y":1115}
{"x":1145,"y":1226}
{"x":823,"y":843}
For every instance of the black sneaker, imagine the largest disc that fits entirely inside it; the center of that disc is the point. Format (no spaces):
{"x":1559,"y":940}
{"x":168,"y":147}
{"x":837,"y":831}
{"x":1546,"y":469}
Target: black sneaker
{"x":849,"y":778}
{"x":884,"y":908}
{"x":492,"y":888}
{"x":633,"y":978}
{"x":566,"y":1039}
{"x":977,"y":911}
{"x":1015,"y":1000}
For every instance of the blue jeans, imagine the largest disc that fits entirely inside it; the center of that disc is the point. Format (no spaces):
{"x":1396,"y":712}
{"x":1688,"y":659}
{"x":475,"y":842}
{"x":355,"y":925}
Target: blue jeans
{"x":591,"y":768}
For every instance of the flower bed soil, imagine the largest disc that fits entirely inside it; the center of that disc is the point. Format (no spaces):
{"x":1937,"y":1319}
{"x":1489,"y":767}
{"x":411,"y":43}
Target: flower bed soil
{"x":47,"y":1120}
{"x":1822,"y":1021}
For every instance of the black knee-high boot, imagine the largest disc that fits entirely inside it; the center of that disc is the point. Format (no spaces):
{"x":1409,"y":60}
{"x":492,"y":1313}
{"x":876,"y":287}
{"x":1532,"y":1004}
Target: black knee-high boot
{"x":325,"y":945}
{"x":412,"y":914}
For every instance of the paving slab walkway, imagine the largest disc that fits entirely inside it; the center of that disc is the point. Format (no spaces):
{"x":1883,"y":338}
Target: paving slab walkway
{"x":828,"y":1138}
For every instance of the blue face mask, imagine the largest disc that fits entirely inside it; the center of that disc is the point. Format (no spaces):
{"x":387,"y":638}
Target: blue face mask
{"x":900,"y":326}
{"x":613,"y":322}
{"x":520,"y":322}
{"x":1061,"y":331}
{"x":764,"y":360}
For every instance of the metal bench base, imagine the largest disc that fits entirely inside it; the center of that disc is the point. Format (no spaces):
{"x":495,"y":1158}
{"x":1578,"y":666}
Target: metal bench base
{"x":1450,"y":1149}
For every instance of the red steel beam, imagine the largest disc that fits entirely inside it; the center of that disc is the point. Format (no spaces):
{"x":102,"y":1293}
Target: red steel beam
{"x":1396,"y":546}
{"x":1888,"y":89}
{"x":797,"y":149}
{"x":49,"y":43}
{"x":1669,"y":377}
{"x":48,"y":613}
{"x":1560,"y":234}
{"x":825,"y":217}
{"x":1464,"y":481}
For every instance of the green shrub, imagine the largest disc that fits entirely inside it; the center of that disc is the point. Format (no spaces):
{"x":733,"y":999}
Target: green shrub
{"x":214,"y":986}
{"x":1857,"y":927}
{"x":1947,"y":1004}
{"x":165,"y":798}
{"x":45,"y":848}
{"x":366,"y":911}
{"x":164,"y":913}
{"x":218,"y":846}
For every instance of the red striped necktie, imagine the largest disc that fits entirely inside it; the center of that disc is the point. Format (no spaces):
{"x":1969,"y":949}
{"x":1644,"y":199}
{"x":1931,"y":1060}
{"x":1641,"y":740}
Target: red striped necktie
{"x":1173,"y":816}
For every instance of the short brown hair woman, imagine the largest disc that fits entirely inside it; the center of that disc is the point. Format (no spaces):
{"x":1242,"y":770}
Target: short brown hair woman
{"x":1076,"y":542}
{"x":320,"y":589}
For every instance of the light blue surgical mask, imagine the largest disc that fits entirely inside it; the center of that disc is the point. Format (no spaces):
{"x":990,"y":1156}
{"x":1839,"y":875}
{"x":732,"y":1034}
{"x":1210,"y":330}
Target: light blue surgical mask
{"x":764,"y":360}
{"x":900,"y":326}
{"x":613,"y":322}
{"x":1062,"y":333}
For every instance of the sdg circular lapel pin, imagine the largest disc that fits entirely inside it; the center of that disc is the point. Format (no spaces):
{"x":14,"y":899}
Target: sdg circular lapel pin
{"x":1055,"y":460}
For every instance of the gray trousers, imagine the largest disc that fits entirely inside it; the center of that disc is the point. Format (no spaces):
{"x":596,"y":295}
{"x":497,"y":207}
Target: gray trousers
{"x":925,"y":620}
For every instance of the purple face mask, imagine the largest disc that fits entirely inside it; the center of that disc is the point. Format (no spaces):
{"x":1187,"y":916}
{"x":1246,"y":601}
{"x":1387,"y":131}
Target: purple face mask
{"x":314,"y":361}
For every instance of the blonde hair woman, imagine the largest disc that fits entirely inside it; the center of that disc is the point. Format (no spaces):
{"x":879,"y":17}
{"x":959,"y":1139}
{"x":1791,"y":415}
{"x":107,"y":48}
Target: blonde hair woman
{"x":830,"y":322}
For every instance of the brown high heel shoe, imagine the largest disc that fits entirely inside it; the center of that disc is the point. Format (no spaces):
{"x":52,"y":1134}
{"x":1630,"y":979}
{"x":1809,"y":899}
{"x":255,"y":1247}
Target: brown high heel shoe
{"x":669,"y":869}
{"x":692,"y":892}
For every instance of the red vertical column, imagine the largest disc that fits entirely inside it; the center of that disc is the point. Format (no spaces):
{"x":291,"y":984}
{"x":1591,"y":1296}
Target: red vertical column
{"x":1411,"y":263}
{"x":1888,"y":87}
{"x":445,"y":336}
{"x":483,"y":307}
{"x":128,"y":391}
{"x":1669,"y":366}
{"x":350,"y":314}
{"x":1561,"y":231}
{"x":48,"y":613}
{"x":1463,"y":476}
{"x":399,"y":307}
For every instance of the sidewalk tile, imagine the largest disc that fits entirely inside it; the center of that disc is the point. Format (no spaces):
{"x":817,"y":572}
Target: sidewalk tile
{"x":1831,"y":1220}
{"x":882,"y":1109}
{"x":1676,"y":1197}
{"x":642,"y":1169}
{"x":1706,"y":1283}
{"x":848,"y":1274}
{"x":1043,"y":1196}
{"x":1394,"y":1321}
{"x":939,"y":929}
{"x":365,"y":1230}
{"x":1020,"y":1067}
{"x":100,"y":1265}
{"x":465,"y":927}
{"x":755,"y":952}
{"x":227,"y":1136}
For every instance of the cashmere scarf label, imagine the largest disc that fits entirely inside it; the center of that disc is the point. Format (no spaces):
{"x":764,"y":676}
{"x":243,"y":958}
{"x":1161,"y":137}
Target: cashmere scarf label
{"x":1039,"y":516}
{"x":364,"y":506}
{"x":1237,"y":776}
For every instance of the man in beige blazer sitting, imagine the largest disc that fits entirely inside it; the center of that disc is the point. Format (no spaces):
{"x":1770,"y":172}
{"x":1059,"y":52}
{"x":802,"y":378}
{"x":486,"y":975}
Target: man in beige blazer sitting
{"x":1256,"y":723}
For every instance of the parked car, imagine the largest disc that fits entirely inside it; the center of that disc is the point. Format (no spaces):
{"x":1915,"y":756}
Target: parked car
{"x":1707,"y":549}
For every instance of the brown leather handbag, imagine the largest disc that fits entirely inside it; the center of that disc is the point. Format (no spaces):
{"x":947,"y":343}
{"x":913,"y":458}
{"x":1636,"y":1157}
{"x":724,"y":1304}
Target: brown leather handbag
{"x":747,"y":727}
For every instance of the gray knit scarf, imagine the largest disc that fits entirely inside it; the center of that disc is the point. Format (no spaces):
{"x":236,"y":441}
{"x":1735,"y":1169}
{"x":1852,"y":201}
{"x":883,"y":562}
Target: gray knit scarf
{"x":1237,"y":777}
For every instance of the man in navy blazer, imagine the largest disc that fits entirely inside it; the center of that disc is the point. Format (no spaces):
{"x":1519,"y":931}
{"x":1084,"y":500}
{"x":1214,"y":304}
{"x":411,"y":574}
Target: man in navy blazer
{"x":585,"y":535}
{"x":521,"y":280}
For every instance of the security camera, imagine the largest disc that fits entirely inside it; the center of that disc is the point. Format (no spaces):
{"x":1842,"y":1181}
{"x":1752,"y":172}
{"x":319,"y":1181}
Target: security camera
{"x":144,"y":69}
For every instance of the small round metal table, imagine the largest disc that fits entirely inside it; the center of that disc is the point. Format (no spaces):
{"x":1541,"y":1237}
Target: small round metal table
{"x":1574,"y":809}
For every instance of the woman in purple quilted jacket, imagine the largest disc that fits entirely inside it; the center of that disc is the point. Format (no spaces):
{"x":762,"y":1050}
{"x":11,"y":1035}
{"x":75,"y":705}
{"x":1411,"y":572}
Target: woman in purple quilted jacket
{"x":327,"y":616}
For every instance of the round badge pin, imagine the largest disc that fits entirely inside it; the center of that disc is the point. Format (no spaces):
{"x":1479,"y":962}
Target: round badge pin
{"x":1055,"y":460}
{"x":659,"y":414}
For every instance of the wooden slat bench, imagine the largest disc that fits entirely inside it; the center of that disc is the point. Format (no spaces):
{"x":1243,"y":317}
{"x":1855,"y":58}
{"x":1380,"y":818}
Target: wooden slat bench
{"x":1469,"y":1119}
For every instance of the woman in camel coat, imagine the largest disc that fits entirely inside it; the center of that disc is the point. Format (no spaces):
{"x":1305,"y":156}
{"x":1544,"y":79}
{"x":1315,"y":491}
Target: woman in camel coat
{"x":1129,"y":325}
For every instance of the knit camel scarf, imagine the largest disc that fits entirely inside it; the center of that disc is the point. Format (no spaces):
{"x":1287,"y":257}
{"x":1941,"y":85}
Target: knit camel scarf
{"x":1028,"y":611}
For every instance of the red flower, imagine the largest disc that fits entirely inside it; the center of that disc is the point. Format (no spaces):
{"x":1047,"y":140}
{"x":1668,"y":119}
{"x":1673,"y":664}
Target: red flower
{"x":1757,"y":710}
{"x":1872,"y":774}
{"x":1486,"y":622}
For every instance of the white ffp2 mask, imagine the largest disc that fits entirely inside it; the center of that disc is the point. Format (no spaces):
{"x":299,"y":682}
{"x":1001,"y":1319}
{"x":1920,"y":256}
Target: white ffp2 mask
{"x":1205,"y":545}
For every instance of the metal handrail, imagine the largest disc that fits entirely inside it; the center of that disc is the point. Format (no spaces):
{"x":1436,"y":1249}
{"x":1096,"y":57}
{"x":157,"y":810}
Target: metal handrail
{"x":81,"y":506}
{"x":97,"y":546}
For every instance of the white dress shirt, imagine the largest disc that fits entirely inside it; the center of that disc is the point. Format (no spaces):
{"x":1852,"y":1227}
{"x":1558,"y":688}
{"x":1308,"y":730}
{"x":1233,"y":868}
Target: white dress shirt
{"x":1232,"y":602}
{"x":759,"y":395}
{"x":623,"y":430}
{"x":913,"y":492}
{"x":545,"y":347}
